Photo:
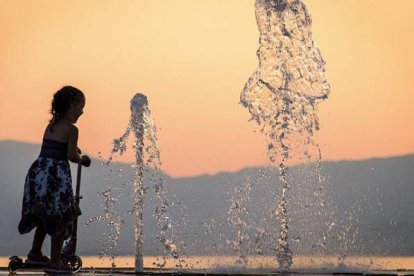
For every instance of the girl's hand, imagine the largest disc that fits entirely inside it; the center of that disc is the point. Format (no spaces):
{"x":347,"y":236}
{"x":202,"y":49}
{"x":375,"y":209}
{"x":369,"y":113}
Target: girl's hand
{"x":86,"y":161}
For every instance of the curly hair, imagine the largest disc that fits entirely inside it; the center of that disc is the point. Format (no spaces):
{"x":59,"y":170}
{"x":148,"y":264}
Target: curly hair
{"x":62,"y":100}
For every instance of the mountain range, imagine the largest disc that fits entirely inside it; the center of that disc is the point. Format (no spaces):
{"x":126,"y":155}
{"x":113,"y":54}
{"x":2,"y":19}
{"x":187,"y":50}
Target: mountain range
{"x":362,"y":207}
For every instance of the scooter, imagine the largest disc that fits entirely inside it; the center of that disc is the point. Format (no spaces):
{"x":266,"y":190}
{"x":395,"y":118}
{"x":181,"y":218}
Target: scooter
{"x":69,"y":251}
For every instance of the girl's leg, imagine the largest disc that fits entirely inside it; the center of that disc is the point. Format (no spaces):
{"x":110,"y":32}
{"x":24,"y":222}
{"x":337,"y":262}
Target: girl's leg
{"x":56,"y":263}
{"x":56,"y":248}
{"x":38,"y":239}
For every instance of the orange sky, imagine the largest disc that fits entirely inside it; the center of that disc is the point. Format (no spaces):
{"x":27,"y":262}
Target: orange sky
{"x":192,"y":58}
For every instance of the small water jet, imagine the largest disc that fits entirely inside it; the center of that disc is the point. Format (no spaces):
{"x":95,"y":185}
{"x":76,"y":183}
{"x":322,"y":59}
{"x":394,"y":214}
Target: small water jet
{"x":235,"y":219}
{"x":143,"y":127}
{"x":283,"y":92}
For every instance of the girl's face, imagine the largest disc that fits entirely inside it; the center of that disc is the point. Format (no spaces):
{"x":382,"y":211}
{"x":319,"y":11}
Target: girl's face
{"x":76,"y":110}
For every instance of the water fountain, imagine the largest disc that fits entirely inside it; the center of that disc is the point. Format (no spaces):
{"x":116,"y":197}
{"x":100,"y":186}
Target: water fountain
{"x":281,"y":95}
{"x":283,"y":92}
{"x":143,"y":127}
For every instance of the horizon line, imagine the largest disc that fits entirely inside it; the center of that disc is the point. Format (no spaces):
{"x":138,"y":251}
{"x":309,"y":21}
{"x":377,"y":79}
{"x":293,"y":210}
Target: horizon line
{"x":265,"y":165}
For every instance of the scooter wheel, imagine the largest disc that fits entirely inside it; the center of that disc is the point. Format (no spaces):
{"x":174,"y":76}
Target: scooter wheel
{"x":74,"y":262}
{"x":13,"y":265}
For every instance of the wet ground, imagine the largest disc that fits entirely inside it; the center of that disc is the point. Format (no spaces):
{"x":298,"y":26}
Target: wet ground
{"x":128,"y":271}
{"x":227,"y":265}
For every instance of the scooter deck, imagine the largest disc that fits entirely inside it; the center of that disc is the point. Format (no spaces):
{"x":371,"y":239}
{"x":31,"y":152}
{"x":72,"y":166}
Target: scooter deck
{"x":18,"y":263}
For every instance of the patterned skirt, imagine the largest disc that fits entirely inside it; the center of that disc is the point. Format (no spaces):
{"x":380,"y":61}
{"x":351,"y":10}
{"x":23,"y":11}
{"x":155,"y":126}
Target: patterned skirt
{"x":48,"y":199}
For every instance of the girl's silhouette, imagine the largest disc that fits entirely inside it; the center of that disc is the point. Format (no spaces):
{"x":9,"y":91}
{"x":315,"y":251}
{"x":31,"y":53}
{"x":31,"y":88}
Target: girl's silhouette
{"x":48,"y":201}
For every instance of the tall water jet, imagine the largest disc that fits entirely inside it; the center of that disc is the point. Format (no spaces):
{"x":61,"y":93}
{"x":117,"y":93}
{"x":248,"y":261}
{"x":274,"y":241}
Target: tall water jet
{"x":283,"y":92}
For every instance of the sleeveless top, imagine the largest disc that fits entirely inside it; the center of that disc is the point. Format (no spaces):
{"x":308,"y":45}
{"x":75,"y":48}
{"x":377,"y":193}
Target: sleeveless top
{"x":54,"y":149}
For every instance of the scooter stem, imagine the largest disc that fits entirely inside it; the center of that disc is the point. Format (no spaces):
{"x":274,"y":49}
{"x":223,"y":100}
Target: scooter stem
{"x":70,"y":247}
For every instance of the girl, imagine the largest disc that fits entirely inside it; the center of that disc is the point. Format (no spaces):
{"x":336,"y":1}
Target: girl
{"x":48,"y":202}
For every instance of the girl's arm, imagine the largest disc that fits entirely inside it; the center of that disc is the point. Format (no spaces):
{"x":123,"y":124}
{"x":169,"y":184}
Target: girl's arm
{"x":73,"y":154}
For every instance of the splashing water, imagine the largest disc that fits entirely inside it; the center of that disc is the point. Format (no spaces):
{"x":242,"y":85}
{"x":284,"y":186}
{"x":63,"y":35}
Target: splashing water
{"x":282,"y":93}
{"x":113,"y":219}
{"x":142,"y":125}
{"x":237,"y":209}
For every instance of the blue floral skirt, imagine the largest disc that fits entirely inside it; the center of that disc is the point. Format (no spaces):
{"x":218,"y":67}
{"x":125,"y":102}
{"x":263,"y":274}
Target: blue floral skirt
{"x":48,"y":198}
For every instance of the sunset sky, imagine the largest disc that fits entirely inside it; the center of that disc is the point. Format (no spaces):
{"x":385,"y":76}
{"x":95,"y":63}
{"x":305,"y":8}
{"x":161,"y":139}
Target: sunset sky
{"x":192,"y":58}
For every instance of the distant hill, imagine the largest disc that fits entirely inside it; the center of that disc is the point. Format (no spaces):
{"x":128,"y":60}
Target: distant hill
{"x":369,"y":207}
